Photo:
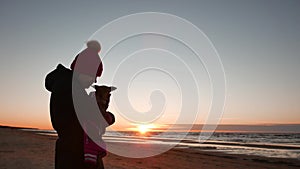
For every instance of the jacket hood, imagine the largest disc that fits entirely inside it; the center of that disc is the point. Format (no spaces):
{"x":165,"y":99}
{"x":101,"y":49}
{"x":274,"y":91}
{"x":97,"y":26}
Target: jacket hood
{"x":58,"y":76}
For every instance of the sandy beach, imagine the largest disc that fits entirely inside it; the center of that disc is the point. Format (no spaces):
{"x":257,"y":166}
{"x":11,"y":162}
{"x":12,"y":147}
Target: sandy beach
{"x":28,"y":150}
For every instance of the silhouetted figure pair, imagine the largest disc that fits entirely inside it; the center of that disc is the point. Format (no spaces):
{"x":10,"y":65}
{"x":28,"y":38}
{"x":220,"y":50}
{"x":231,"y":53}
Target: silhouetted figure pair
{"x":72,"y":109}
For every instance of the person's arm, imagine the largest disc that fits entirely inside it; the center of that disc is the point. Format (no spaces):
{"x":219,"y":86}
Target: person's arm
{"x":109,"y":117}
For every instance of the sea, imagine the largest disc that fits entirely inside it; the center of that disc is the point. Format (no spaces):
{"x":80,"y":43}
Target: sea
{"x":279,"y":141}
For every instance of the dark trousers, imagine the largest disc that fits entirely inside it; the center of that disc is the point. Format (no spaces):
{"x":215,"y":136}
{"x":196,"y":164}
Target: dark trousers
{"x":67,"y":158}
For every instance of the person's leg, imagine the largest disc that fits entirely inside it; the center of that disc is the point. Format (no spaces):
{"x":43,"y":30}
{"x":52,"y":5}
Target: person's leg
{"x":56,"y":155}
{"x":67,"y":159}
{"x":100,"y":164}
{"x":89,"y":166}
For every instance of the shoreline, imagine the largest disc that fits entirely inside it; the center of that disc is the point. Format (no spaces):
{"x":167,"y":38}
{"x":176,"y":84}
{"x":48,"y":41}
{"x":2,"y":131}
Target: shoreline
{"x":27,"y":149}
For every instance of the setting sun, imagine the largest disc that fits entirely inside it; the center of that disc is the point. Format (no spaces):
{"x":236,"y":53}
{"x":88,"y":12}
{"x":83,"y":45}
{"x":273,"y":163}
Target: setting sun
{"x":143,"y":128}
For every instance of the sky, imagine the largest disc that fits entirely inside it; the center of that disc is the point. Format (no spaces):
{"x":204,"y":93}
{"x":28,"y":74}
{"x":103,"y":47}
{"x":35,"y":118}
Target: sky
{"x":258,"y":42}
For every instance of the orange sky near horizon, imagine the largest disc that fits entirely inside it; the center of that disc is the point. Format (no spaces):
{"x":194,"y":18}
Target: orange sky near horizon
{"x":46,"y":125}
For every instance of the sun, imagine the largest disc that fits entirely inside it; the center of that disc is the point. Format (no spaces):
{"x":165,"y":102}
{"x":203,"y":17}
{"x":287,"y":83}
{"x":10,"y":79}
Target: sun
{"x":144,"y":128}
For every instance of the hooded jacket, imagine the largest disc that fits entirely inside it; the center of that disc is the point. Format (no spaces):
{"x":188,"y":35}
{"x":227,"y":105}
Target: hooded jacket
{"x":63,"y":116}
{"x":64,"y":87}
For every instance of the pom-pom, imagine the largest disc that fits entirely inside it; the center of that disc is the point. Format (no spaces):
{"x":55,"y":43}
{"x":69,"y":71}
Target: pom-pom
{"x":93,"y":44}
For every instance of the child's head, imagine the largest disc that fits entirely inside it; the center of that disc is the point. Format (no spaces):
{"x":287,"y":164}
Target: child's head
{"x":103,"y":96}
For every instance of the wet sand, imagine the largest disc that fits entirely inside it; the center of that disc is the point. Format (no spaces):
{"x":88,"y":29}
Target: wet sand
{"x":26,"y":149}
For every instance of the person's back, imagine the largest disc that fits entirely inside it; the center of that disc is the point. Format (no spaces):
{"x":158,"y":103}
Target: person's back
{"x":69,"y":146}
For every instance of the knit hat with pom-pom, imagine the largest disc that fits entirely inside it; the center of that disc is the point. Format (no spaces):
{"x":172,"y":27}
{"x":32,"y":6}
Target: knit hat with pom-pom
{"x":88,"y":61}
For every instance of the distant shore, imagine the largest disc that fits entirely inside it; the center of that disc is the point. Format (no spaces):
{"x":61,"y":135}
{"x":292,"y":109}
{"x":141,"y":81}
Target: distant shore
{"x":26,"y":149}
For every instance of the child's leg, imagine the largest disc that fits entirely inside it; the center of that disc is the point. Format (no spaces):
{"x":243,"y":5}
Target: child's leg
{"x":89,"y":166}
{"x":100,"y":164}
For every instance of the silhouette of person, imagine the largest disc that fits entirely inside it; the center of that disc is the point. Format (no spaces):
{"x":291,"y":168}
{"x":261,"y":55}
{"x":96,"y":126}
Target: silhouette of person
{"x":95,"y":147}
{"x":63,"y":83}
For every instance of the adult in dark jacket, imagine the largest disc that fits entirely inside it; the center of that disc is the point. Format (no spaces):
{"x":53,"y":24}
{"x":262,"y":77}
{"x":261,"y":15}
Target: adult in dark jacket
{"x":65,"y":111}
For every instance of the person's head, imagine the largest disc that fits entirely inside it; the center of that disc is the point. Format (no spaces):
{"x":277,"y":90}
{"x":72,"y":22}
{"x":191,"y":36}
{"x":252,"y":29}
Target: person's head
{"x":102,"y":94}
{"x":86,"y":80}
{"x":88,"y":64}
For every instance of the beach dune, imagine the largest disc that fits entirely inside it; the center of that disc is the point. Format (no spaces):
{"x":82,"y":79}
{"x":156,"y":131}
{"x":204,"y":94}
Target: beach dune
{"x":27,"y":149}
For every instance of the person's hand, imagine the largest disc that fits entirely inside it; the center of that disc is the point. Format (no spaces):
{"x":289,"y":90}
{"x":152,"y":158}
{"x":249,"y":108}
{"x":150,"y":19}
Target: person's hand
{"x":109,"y":117}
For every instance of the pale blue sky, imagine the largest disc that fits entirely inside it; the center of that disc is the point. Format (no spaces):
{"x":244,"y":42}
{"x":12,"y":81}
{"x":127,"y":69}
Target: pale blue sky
{"x":258,"y":42}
